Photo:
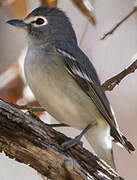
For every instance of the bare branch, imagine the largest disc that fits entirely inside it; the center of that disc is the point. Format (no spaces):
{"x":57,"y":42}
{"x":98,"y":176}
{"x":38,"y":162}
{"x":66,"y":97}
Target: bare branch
{"x":121,"y":22}
{"x":112,"y":82}
{"x":86,"y":11}
{"x":27,"y":107}
{"x":50,"y":3}
{"x":30,"y":141}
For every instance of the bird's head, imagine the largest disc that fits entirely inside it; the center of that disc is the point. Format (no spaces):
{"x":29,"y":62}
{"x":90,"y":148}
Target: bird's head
{"x":45,"y":24}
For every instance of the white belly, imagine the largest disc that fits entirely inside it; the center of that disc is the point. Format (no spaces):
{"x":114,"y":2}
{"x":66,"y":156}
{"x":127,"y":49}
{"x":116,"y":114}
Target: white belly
{"x":59,"y":94}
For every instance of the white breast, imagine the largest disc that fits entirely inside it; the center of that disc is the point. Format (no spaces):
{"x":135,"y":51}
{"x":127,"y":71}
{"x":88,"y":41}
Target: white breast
{"x":58,"y":92}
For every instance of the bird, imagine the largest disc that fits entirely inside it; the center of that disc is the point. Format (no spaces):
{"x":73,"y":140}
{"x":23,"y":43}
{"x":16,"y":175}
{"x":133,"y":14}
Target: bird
{"x":65,"y":82}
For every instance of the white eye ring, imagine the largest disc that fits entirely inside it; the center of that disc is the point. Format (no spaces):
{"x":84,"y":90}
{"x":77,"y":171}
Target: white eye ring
{"x":33,"y":20}
{"x":40,"y":21}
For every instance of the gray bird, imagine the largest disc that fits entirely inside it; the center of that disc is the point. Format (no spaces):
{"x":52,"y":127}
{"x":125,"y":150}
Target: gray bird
{"x":65,"y":82}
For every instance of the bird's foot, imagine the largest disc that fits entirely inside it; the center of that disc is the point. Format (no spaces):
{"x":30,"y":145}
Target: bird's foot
{"x":58,"y":125}
{"x":72,"y":142}
{"x":76,"y":140}
{"x":27,"y":107}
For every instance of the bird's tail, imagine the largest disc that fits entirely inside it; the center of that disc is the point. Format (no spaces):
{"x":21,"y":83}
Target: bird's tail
{"x":119,"y":138}
{"x":101,"y":143}
{"x":128,"y":145}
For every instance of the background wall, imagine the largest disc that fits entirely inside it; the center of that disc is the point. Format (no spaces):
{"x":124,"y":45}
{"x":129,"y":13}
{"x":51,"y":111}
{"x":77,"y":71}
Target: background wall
{"x":109,"y":56}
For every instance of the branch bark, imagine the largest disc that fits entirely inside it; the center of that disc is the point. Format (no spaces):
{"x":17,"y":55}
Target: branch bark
{"x":28,"y":140}
{"x":50,"y":3}
{"x":86,"y":11}
{"x":118,"y":24}
{"x":115,"y":80}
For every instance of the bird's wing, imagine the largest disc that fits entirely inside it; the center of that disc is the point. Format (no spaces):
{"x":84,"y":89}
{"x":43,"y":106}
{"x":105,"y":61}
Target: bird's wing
{"x":82,"y":70}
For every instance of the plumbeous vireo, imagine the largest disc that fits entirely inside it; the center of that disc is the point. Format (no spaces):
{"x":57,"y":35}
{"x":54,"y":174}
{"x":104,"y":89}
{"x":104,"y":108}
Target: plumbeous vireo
{"x":65,"y":82}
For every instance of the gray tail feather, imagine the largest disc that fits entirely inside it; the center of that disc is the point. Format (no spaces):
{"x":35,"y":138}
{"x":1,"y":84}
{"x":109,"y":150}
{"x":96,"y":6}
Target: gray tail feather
{"x":122,"y":140}
{"x":127,"y":144}
{"x":114,"y":166}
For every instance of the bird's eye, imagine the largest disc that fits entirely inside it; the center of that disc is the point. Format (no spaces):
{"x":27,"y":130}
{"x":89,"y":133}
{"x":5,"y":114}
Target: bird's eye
{"x":39,"y":21}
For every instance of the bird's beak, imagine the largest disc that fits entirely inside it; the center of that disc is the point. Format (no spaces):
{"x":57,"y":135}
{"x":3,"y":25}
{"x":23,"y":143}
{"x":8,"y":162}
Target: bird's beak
{"x":17,"y":22}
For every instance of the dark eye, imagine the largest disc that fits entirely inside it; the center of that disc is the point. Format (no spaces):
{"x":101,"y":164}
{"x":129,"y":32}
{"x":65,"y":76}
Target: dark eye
{"x":40,"y":21}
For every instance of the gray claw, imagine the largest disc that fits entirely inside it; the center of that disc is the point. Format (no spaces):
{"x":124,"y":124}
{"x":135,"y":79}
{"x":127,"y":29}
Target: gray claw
{"x":68,"y":144}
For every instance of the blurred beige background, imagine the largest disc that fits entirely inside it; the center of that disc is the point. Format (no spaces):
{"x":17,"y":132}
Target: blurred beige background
{"x":109,"y":57}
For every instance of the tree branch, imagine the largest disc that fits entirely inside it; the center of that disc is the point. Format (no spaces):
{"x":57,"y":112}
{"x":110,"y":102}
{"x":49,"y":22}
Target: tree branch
{"x":86,"y":11}
{"x":112,"y":82}
{"x":27,"y":107}
{"x":50,"y":3}
{"x":121,"y":22}
{"x":30,"y":141}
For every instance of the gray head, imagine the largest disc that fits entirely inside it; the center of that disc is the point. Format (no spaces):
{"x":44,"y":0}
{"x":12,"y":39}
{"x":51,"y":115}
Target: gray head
{"x":45,"y":24}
